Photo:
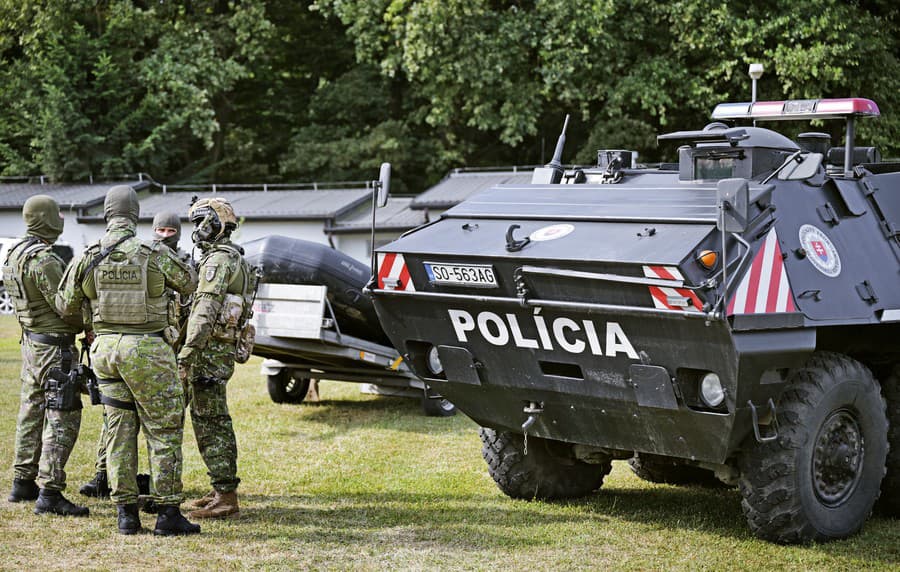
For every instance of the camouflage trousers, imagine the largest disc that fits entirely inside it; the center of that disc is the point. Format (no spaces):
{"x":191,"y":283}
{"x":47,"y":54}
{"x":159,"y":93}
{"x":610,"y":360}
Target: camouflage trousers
{"x":44,"y":437}
{"x":210,"y":417}
{"x":140,"y":370}
{"x":100,"y":464}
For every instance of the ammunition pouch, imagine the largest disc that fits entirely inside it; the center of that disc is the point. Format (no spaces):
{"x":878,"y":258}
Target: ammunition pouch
{"x":228,"y":322}
{"x":171,"y":335}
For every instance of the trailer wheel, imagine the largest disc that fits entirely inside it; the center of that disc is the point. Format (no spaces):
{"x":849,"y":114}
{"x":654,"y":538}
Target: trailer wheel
{"x":6,"y":302}
{"x":284,"y":388}
{"x":889,"y":503}
{"x":436,"y":406}
{"x":548,"y":471}
{"x":820,"y":478}
{"x":666,"y":470}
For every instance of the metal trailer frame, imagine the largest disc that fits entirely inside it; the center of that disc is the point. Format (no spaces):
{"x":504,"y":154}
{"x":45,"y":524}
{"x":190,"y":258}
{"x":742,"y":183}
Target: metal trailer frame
{"x":297,"y":330}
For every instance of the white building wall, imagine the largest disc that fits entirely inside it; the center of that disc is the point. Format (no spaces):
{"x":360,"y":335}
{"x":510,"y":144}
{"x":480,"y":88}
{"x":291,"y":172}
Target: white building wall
{"x":359,"y":245}
{"x":74,"y":234}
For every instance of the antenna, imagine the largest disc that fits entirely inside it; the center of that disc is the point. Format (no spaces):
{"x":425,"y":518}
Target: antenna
{"x":552,"y":172}
{"x":555,"y":162}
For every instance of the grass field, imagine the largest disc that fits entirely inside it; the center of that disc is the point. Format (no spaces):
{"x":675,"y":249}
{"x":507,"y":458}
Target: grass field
{"x":368,"y":483}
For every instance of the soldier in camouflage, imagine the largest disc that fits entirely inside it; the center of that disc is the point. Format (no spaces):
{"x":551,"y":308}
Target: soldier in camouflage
{"x":167,"y":231}
{"x":208,"y":356}
{"x":47,"y":428}
{"x":125,"y":279}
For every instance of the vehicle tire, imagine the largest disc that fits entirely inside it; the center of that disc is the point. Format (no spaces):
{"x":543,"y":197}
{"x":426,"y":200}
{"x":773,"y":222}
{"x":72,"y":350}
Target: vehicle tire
{"x":6,"y":302}
{"x":889,"y":503}
{"x":284,"y":388}
{"x":548,"y":471}
{"x":820,"y":478}
{"x":666,"y":470}
{"x":437,"y":406}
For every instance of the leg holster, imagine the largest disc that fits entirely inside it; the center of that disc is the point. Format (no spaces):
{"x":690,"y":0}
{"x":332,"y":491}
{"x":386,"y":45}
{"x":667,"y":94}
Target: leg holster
{"x":112,"y":402}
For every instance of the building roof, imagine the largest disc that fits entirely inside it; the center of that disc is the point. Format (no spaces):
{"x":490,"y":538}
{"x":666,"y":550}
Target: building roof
{"x":395,"y":216}
{"x":69,"y":195}
{"x":460,"y":184}
{"x":257,"y":204}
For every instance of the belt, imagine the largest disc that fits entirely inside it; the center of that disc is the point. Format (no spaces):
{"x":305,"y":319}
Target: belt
{"x":61,"y":340}
{"x":151,"y":334}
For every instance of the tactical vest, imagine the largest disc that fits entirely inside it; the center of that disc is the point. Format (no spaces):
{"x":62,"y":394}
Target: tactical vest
{"x":238,"y":299}
{"x":33,"y":311}
{"x":124,"y":302}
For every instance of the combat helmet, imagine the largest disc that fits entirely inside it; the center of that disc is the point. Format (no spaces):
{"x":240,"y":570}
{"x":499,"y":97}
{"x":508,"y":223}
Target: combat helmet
{"x":213,"y":218}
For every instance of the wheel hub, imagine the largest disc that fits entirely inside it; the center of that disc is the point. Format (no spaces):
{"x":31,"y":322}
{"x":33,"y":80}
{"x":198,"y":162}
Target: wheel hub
{"x":837,"y":458}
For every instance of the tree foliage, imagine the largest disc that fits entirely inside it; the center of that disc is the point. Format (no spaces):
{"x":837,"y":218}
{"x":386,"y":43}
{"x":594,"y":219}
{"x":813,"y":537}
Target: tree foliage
{"x":252,"y":90}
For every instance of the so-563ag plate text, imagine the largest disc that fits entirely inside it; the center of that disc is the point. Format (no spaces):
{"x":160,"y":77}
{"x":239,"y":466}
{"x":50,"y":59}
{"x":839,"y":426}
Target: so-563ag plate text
{"x":479,"y":275}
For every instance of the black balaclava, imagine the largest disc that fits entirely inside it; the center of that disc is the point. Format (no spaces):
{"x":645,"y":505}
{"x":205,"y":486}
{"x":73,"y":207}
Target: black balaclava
{"x":170,"y":220}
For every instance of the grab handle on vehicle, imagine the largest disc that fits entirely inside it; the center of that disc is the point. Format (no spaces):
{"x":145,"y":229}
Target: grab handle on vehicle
{"x":773,"y":424}
{"x":513,"y":245}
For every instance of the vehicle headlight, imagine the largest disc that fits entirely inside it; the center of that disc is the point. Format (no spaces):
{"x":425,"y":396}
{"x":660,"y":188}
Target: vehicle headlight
{"x":434,"y":361}
{"x":711,"y":390}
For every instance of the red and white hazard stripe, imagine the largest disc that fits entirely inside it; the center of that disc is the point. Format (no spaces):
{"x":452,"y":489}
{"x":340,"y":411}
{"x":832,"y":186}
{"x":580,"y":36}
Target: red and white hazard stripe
{"x":392,"y":271}
{"x":765,"y":288}
{"x":668,"y":298}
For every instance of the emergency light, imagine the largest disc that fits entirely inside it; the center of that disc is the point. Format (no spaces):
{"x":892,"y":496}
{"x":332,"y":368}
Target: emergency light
{"x":847,"y":108}
{"x":798,"y":109}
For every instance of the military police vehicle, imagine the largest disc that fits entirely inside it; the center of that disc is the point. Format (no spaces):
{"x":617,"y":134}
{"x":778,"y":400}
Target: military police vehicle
{"x":735,"y":314}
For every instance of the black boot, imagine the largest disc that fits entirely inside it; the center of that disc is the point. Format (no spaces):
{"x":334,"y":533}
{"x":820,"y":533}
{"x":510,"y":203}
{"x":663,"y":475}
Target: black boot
{"x":23,"y":490}
{"x":143,"y":482}
{"x":149,"y":506}
{"x":129,"y":518}
{"x":98,"y":487}
{"x":170,"y":522}
{"x":53,"y":502}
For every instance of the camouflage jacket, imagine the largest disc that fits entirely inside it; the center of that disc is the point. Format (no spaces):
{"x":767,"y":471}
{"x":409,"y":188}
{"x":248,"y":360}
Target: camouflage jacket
{"x":222,"y":270}
{"x":163,"y":266}
{"x":38,"y":270}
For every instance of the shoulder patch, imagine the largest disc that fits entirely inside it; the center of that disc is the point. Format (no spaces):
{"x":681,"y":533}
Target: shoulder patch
{"x":210,"y":272}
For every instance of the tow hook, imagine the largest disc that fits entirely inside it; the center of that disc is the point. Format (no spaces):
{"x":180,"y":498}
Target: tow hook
{"x":773,"y":422}
{"x":533,"y":409}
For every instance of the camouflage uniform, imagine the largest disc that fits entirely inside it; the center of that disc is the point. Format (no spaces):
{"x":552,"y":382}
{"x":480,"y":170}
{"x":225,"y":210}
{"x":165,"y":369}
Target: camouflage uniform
{"x":136,"y":366}
{"x":44,"y":437}
{"x":221,"y":271}
{"x":209,"y":350}
{"x":177,"y":320}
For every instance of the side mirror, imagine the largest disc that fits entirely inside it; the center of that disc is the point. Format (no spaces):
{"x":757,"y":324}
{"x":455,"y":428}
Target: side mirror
{"x":802,"y":169}
{"x":384,"y":184}
{"x":733,"y":201}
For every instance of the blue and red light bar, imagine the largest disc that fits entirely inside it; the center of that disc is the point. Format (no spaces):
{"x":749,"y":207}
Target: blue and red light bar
{"x":798,"y":109}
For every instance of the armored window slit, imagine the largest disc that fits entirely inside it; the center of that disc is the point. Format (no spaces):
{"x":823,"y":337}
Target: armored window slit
{"x":559,"y":369}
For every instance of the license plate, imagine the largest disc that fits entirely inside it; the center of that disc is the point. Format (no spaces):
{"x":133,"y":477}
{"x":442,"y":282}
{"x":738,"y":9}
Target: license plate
{"x":479,"y":275}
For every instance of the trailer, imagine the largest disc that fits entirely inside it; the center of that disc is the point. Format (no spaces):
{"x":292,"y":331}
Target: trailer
{"x":299,"y":337}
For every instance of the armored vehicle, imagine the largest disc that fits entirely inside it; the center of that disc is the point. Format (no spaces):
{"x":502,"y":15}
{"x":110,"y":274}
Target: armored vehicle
{"x":735,"y":314}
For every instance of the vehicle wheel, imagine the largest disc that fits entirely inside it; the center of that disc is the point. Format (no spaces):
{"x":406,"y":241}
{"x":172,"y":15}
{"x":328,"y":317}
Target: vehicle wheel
{"x":548,"y":471}
{"x":6,"y":302}
{"x":666,"y":470}
{"x":437,"y":406}
{"x":820,"y":478}
{"x":284,"y":388}
{"x":889,"y":503}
